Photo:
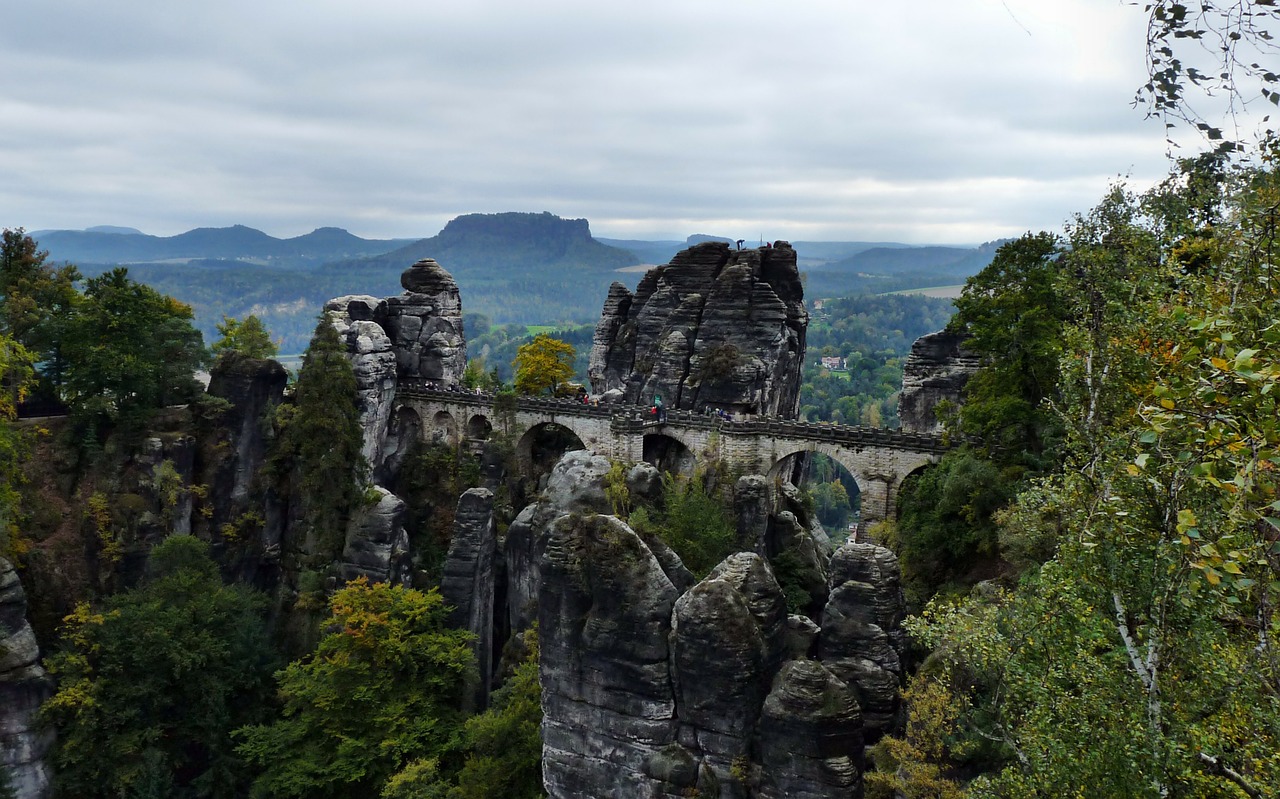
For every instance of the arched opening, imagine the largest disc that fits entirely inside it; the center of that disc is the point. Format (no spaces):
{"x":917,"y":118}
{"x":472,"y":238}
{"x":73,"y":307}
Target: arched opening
{"x":544,"y":444}
{"x":828,"y":487}
{"x":479,"y":428}
{"x":444,"y":427}
{"x":668,"y":454}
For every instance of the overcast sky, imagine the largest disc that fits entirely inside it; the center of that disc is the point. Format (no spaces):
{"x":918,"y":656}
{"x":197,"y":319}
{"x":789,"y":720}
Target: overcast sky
{"x":922,"y":121}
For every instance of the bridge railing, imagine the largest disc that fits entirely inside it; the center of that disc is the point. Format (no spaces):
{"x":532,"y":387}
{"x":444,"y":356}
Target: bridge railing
{"x":635,"y":418}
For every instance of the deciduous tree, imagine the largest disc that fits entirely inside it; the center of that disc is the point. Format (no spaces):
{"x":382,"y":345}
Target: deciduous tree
{"x":248,"y":337}
{"x":543,"y":364}
{"x":380,"y":692}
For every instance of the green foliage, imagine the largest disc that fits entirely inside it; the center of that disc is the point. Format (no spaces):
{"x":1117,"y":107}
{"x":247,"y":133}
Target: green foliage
{"x":693,"y":521}
{"x":36,"y":302}
{"x":945,"y":521}
{"x":873,"y":334}
{"x":543,"y":364}
{"x":129,"y":350}
{"x":505,"y":742}
{"x":617,"y":491}
{"x":430,"y":480}
{"x":249,"y":338}
{"x":319,"y":440}
{"x":831,"y":504}
{"x":379,"y":693}
{"x":1139,"y":659}
{"x":150,"y":687}
{"x":1014,"y":312}
{"x":15,"y":378}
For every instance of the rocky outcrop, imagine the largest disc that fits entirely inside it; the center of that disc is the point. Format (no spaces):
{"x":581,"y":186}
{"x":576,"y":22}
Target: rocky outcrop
{"x":468,"y":583}
{"x":377,"y":545}
{"x":751,"y":702}
{"x":810,"y":736}
{"x":374,"y":364}
{"x":23,"y":686}
{"x":862,"y":641}
{"x":716,"y":327}
{"x":253,"y":387}
{"x":604,"y":617}
{"x":425,"y":324}
{"x":935,"y":371}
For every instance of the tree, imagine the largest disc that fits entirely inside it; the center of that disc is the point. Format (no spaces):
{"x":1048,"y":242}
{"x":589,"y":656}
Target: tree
{"x":36,"y":302}
{"x":1139,"y":659}
{"x":15,"y":379}
{"x":543,"y":364}
{"x":1231,"y":49}
{"x":378,"y":694}
{"x":249,"y":338}
{"x":129,"y":350}
{"x":320,"y":440}
{"x":151,"y":685}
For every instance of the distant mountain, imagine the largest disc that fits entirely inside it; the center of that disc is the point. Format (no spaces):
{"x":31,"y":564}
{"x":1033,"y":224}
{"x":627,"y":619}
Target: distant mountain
{"x":511,"y":267}
{"x":126,"y":246}
{"x":128,"y":231}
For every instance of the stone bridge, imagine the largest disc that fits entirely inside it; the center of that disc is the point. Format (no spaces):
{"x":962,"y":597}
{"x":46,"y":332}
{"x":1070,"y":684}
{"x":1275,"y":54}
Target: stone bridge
{"x":878,"y":459}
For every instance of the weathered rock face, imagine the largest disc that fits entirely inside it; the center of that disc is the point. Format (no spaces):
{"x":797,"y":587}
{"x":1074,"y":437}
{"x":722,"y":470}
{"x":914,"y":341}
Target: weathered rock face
{"x":374,"y":364}
{"x":468,"y":582}
{"x":377,"y":545}
{"x":936,"y":370}
{"x":252,"y":386}
{"x":425,"y":324}
{"x":749,"y":703}
{"x":23,"y":686}
{"x":862,"y":641}
{"x":604,"y":617}
{"x":716,"y":327}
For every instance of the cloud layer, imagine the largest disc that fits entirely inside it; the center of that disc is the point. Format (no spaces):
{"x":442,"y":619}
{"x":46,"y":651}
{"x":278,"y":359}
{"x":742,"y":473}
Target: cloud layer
{"x":930,"y":121}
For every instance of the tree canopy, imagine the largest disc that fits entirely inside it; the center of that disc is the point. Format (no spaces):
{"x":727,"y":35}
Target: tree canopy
{"x":248,"y":337}
{"x":543,"y":364}
{"x":151,"y":685}
{"x":379,"y":693}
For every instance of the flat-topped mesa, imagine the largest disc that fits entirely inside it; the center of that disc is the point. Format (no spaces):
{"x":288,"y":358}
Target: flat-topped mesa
{"x":715,"y":328}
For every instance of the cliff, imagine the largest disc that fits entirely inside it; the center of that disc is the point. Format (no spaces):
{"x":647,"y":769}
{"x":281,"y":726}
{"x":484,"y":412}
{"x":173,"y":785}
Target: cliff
{"x":23,"y":686}
{"x":715,"y":328}
{"x":935,"y":372}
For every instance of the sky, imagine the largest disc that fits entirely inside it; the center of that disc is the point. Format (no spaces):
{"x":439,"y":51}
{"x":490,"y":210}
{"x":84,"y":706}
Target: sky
{"x":933,"y":121}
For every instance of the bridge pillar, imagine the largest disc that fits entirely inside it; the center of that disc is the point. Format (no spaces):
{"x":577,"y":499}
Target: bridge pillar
{"x":879,"y":499}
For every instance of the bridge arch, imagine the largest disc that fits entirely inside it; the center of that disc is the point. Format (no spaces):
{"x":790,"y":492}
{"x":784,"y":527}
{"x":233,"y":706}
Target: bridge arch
{"x":545,"y":442}
{"x":444,"y":427}
{"x":479,"y":427}
{"x":668,"y":453}
{"x":878,"y":472}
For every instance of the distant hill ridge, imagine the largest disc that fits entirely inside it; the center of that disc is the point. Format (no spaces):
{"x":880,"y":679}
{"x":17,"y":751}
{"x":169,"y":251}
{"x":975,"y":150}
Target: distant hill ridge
{"x":118,"y":245}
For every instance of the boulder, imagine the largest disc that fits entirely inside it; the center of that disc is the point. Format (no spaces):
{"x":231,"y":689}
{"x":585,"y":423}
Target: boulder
{"x":810,"y":736}
{"x":24,"y":685}
{"x":374,"y":364}
{"x":377,"y":545}
{"x":425,"y":325}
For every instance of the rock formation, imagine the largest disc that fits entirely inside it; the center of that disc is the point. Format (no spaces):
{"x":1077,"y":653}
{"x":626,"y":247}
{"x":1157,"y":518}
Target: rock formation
{"x":23,"y":686}
{"x":374,"y":364}
{"x":468,"y":582}
{"x":935,"y":371}
{"x":862,"y":641}
{"x":253,"y":387}
{"x":377,"y":546}
{"x":659,"y":687}
{"x":425,"y":324}
{"x":716,"y":327}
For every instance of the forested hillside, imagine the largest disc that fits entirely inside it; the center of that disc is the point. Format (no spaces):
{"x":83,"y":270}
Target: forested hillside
{"x":1116,"y":496}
